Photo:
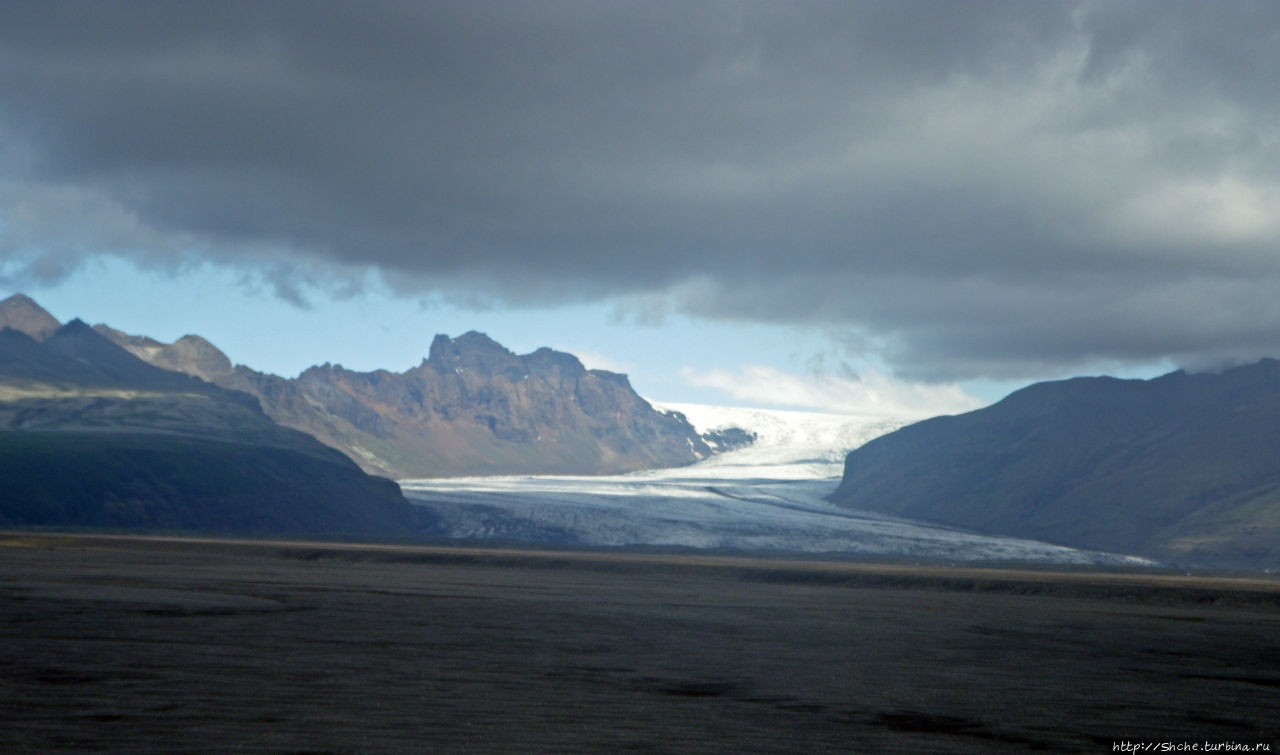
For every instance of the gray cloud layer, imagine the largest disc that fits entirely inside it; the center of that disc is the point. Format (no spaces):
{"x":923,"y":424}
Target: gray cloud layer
{"x":998,"y":189}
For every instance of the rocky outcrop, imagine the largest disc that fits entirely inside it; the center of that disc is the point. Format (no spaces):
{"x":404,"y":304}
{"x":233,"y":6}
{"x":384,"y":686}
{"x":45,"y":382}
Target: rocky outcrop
{"x":19,"y":312}
{"x":472,"y":407}
{"x":190,"y":354}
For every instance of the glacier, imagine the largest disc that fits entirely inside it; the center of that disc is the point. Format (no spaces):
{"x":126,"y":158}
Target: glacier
{"x":766,"y":497}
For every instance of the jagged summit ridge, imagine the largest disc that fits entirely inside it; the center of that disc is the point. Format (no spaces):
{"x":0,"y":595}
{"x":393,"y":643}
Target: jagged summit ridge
{"x":468,"y":346}
{"x":473,"y":351}
{"x":471,"y":407}
{"x":475,"y":407}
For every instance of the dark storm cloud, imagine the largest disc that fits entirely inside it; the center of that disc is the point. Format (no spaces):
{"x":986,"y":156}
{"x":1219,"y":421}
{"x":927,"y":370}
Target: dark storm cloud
{"x":978,"y":188}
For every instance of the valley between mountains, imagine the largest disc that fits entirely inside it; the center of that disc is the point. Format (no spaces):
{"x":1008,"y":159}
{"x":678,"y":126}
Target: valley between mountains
{"x":107,"y":430}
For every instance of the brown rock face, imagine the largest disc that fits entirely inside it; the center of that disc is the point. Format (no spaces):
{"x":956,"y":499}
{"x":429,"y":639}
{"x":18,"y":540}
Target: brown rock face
{"x":190,"y":354}
{"x":21,"y":313}
{"x":472,"y":407}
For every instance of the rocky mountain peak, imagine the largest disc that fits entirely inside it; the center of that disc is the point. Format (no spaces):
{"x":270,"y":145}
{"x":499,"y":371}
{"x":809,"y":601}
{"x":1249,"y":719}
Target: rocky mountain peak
{"x":473,"y":352}
{"x":82,"y":355}
{"x":190,"y":354}
{"x":21,"y":313}
{"x":472,"y":407}
{"x":195,"y":356}
{"x":545,"y":358}
{"x":76,"y":328}
{"x":470,"y":345}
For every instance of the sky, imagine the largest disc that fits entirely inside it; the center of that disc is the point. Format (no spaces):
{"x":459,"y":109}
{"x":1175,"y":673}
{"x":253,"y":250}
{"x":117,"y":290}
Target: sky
{"x":856,"y":206}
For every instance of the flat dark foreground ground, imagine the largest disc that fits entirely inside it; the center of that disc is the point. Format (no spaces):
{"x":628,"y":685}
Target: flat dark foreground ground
{"x":139,"y":645}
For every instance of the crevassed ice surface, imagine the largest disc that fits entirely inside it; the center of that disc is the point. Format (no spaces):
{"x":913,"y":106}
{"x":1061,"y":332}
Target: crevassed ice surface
{"x":769,"y":496}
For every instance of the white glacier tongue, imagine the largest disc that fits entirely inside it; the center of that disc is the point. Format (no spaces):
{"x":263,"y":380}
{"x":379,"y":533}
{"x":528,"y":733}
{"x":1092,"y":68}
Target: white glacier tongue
{"x":769,"y":496}
{"x":789,"y":445}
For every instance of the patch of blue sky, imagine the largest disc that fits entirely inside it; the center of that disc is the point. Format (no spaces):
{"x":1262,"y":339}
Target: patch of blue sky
{"x":374,"y":329}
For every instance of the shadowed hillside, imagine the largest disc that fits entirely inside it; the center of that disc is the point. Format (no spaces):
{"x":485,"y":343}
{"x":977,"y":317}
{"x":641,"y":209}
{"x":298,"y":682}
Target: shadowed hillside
{"x":91,"y":436}
{"x":1182,"y":467}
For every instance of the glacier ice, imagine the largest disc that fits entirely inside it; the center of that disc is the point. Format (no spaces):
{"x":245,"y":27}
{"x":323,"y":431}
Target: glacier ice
{"x":769,"y":496}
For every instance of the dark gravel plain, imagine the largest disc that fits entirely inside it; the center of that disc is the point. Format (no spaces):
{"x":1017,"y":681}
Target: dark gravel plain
{"x":168,"y":645}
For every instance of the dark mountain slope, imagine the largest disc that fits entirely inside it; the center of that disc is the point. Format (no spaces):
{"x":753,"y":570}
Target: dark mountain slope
{"x":110,"y":365}
{"x":92,"y":436}
{"x":153,"y":481}
{"x":23,"y":358}
{"x":1182,"y":467}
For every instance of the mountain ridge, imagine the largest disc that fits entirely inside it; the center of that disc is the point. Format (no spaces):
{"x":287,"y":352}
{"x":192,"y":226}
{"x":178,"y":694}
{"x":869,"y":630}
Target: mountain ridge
{"x":1182,"y":467}
{"x":21,"y":313}
{"x":470,"y":407}
{"x":95,"y":437}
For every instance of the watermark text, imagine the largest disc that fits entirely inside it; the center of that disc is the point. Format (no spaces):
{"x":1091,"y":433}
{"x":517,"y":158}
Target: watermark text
{"x":1122,"y":745}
